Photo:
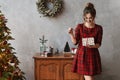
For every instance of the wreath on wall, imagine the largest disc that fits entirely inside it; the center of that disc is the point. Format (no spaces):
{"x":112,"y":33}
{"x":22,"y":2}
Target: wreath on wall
{"x":50,"y":8}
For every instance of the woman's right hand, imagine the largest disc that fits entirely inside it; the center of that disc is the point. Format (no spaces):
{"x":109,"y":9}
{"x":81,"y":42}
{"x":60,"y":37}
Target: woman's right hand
{"x":70,"y":31}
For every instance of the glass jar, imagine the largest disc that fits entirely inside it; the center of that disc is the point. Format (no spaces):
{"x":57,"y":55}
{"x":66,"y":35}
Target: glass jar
{"x":42,"y":49}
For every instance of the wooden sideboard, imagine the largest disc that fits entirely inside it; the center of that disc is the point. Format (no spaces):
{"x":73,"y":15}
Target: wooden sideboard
{"x":54,"y":68}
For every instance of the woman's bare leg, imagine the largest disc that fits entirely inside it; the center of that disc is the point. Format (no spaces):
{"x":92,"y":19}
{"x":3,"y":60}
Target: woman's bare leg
{"x":88,"y":77}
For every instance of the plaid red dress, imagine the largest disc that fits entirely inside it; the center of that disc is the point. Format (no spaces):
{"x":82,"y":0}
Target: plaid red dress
{"x":87,"y":60}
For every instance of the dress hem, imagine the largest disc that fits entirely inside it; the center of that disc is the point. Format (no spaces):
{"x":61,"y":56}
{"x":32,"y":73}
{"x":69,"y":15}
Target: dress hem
{"x":87,"y":74}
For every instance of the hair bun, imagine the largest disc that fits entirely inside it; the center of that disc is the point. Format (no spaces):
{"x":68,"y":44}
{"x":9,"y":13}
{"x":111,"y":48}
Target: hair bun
{"x":90,"y":5}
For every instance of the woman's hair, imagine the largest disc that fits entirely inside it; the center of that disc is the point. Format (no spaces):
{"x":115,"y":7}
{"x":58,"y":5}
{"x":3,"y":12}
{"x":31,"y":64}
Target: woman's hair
{"x":89,"y":8}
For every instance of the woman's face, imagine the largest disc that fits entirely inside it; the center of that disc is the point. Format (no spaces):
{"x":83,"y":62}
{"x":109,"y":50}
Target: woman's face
{"x":89,"y":18}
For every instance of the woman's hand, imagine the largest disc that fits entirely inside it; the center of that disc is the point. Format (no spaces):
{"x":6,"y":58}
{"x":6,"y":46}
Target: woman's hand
{"x":70,"y":31}
{"x":90,"y":46}
{"x":93,"y":46}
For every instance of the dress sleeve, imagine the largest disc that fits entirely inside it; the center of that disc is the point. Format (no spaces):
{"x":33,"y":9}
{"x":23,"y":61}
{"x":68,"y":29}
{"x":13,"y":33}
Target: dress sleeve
{"x":77,"y":34}
{"x":99,"y":36}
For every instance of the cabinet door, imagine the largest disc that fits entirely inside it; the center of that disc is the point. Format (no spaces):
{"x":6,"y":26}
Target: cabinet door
{"x":47,"y":70}
{"x":67,"y":74}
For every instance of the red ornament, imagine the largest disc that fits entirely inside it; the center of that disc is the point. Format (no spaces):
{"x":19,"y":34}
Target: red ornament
{"x":5,"y":42}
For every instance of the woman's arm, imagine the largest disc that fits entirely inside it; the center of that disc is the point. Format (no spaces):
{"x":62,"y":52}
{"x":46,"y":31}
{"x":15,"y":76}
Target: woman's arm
{"x":72,"y":36}
{"x":99,"y":39}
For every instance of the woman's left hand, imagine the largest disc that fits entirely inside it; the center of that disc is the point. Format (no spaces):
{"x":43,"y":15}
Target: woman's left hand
{"x":93,"y":46}
{"x":90,"y":46}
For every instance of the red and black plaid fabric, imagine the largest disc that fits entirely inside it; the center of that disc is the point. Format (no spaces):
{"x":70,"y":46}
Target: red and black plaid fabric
{"x":87,"y":61}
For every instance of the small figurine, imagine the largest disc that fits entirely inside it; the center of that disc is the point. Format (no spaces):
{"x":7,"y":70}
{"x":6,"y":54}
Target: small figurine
{"x":67,"y":47}
{"x":57,"y":52}
{"x":50,"y":51}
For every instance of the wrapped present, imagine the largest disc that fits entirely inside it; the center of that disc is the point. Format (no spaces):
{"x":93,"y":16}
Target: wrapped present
{"x":88,"y":41}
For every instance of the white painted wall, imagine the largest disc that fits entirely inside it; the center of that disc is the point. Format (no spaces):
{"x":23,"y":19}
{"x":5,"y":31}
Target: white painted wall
{"x":27,"y":27}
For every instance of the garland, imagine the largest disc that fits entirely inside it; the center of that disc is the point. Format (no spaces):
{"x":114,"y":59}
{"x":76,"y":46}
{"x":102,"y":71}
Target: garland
{"x":43,"y":7}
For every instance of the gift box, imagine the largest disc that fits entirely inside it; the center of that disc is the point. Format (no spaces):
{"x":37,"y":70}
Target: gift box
{"x":88,"y":41}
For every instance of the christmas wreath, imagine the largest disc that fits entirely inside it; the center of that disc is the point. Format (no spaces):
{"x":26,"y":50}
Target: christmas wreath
{"x":43,"y":7}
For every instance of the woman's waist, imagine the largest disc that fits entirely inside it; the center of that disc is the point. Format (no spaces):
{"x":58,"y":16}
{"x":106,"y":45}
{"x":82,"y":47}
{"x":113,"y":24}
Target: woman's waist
{"x":84,"y":49}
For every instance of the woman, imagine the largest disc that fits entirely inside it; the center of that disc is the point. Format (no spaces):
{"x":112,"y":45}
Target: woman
{"x":88,"y":36}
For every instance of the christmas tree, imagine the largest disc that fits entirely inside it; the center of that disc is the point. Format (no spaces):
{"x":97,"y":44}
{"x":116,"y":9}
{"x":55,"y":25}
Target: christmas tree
{"x":9,"y":69}
{"x":67,"y":47}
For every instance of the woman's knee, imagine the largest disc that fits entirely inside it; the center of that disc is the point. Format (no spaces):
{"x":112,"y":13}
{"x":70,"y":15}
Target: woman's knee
{"x":87,"y":77}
